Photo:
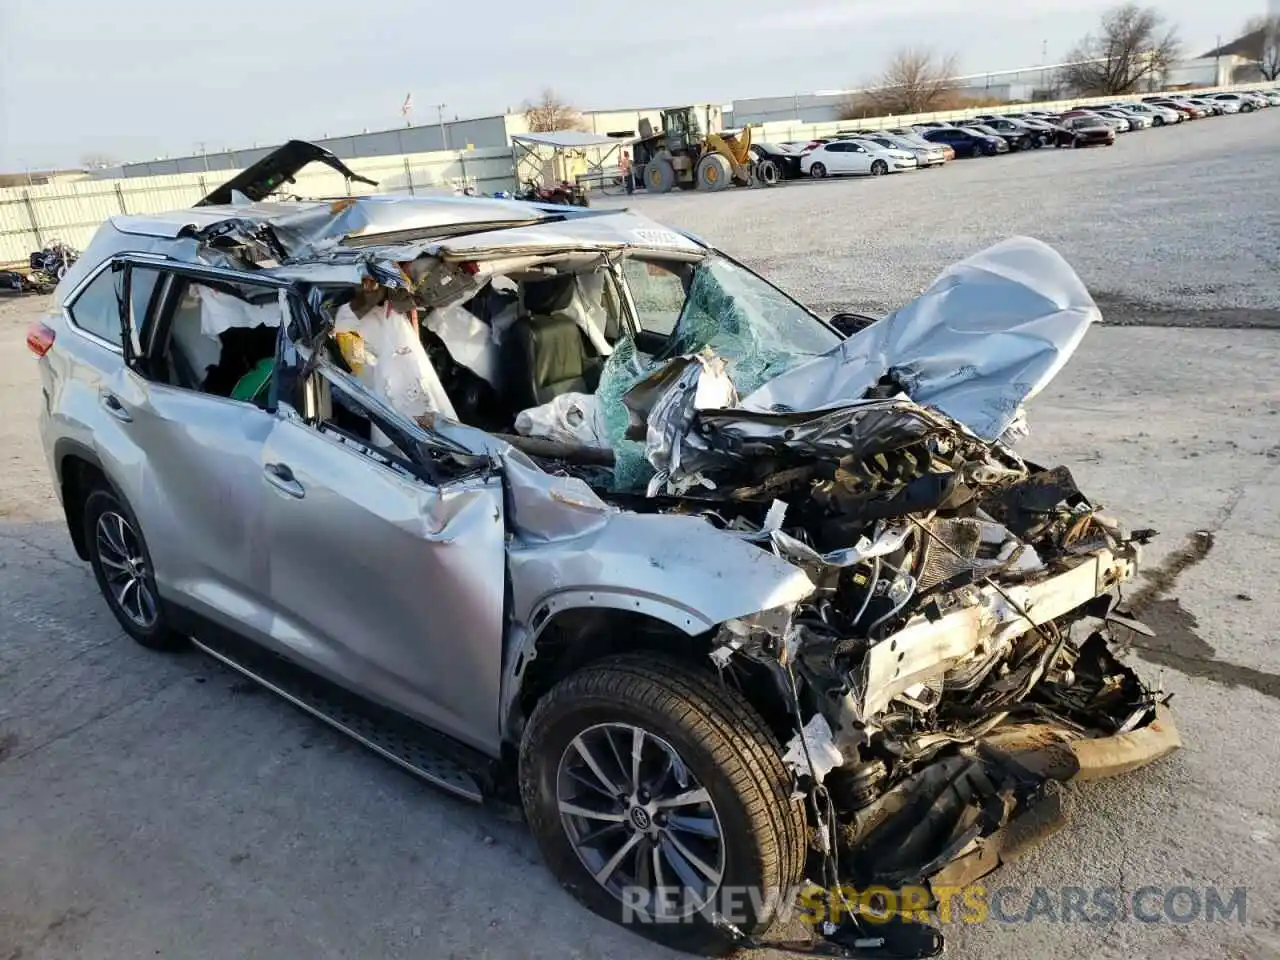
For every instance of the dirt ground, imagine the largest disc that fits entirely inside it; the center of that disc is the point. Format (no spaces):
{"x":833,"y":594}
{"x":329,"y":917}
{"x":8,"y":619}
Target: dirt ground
{"x":156,"y":806}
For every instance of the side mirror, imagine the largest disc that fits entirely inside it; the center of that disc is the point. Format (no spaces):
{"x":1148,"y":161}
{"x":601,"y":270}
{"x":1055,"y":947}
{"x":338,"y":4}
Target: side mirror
{"x":847,"y":324}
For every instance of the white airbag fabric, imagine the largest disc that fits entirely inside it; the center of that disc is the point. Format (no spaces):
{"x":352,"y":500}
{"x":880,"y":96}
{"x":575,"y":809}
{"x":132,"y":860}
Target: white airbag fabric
{"x":396,"y":367}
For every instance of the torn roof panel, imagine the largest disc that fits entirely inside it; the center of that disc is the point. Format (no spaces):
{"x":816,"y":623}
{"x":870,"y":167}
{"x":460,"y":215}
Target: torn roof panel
{"x":318,"y":225}
{"x":463,"y":227}
{"x":613,"y":230}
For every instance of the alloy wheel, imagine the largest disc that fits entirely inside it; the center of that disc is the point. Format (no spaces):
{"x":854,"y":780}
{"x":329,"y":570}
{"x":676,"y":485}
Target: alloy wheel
{"x":125,"y":567}
{"x":639,"y":819}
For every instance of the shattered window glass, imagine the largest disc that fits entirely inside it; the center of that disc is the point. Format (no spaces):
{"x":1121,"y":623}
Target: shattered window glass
{"x":658,"y":293}
{"x":625,"y":367}
{"x":758,"y":329}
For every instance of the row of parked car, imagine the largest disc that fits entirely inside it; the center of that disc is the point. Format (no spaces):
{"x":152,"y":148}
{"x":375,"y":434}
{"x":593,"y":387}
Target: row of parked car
{"x":877,"y":152}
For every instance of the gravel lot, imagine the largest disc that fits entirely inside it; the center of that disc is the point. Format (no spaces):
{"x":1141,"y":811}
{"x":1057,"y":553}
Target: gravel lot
{"x":156,"y":806}
{"x":1175,"y":226}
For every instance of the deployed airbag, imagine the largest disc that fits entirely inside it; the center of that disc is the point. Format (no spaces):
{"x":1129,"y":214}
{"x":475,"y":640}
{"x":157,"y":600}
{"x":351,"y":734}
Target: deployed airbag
{"x":383,"y":350}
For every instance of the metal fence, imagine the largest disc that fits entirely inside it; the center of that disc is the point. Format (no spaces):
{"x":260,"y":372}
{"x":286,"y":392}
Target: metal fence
{"x":71,"y":211}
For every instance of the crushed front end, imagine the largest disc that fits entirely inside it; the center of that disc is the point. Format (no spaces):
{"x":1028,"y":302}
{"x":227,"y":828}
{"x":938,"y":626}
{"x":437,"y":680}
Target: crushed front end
{"x":954,"y":662}
{"x":955,"y":659}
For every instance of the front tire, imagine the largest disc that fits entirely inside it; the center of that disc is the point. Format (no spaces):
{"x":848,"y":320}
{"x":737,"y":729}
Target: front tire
{"x":818,"y":171}
{"x":659,"y":175}
{"x":879,"y":168}
{"x":714,"y":173}
{"x":122,"y":566}
{"x":640,"y":774}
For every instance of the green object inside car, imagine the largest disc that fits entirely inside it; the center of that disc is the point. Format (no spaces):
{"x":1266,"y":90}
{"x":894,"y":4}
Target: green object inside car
{"x":252,"y":387}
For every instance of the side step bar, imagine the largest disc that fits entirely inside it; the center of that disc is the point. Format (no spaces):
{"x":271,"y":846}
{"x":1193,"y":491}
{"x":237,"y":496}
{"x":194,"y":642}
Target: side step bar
{"x":400,"y":740}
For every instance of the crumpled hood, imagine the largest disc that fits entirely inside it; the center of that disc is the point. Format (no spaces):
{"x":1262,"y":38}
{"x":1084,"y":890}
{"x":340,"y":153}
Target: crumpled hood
{"x":989,"y":334}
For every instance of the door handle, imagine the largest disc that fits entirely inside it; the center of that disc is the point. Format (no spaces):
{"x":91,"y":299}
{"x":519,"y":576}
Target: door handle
{"x":280,"y":476}
{"x":111,"y":403}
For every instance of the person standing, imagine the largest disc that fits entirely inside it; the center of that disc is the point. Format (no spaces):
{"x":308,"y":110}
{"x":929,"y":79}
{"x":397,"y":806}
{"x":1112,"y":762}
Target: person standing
{"x":624,"y":164}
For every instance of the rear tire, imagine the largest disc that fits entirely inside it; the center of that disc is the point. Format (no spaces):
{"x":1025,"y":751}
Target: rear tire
{"x":818,"y":171}
{"x":767,"y":173}
{"x":659,"y":175}
{"x":122,"y":566}
{"x":696,"y":737}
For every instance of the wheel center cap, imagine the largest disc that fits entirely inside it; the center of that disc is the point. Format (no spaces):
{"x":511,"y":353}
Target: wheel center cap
{"x":640,"y":817}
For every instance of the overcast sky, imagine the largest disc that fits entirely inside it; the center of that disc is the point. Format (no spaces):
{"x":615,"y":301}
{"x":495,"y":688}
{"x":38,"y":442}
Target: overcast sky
{"x":136,"y":79}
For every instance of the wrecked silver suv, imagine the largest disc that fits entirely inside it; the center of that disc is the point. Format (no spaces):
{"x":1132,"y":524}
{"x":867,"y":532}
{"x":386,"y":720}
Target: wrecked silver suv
{"x":567,"y":506}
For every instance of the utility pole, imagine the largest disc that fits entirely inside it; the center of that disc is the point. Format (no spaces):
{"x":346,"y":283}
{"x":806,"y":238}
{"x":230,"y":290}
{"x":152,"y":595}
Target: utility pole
{"x":444,"y":134}
{"x":1217,"y":62}
{"x":200,"y":145}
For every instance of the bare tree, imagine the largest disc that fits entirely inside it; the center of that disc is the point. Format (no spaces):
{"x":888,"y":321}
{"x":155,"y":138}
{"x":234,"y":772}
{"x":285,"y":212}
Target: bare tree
{"x":549,"y":112}
{"x":1269,"y":55}
{"x":1132,"y":44}
{"x":916,"y":80}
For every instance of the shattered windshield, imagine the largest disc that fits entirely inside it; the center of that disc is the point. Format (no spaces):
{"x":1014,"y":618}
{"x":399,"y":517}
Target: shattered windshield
{"x":739,"y":317}
{"x":753,"y":325}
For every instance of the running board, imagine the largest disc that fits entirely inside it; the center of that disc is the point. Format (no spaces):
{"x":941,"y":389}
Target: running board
{"x":400,"y":740}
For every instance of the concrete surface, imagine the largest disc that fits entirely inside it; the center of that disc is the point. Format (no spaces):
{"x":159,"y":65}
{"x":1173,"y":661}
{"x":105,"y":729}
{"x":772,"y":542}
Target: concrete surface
{"x":156,"y":806}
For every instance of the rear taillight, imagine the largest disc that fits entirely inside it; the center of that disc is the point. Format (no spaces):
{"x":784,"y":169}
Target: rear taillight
{"x":40,"y":337}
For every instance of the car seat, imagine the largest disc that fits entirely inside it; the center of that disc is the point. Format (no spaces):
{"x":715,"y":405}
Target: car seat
{"x":546,"y":354}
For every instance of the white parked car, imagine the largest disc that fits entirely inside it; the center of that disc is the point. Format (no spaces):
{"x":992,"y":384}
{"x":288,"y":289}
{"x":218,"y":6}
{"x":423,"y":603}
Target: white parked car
{"x":856,"y":157}
{"x":927,"y":154}
{"x":1243,"y":101}
{"x":1137,"y":121}
{"x":1121,"y":122}
{"x":1159,"y":115}
{"x":1228,"y":106}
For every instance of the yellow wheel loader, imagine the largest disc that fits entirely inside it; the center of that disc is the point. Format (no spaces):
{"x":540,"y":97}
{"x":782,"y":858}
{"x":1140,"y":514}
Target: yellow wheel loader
{"x":681,"y":155}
